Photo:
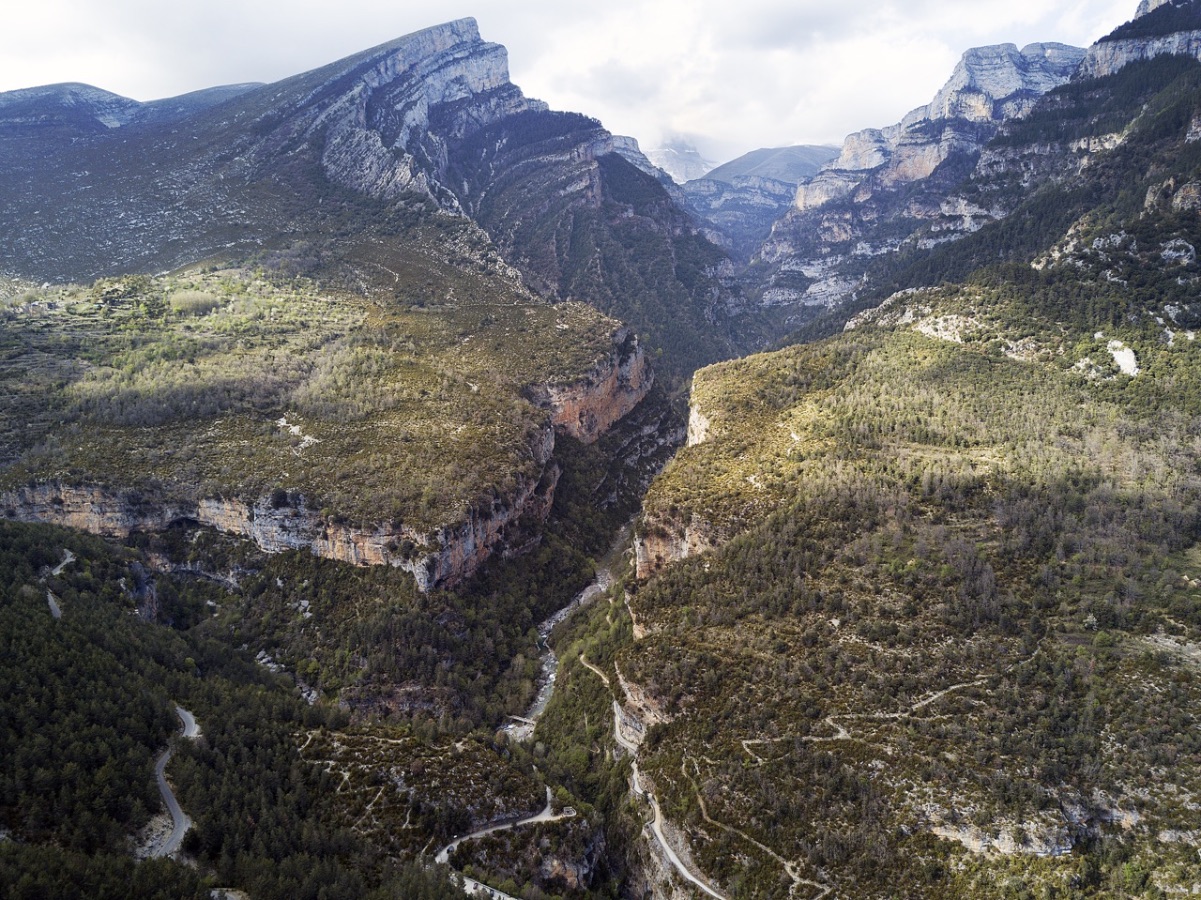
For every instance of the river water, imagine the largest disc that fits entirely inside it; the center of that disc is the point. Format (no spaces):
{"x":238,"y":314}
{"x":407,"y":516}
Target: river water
{"x":524,"y":730}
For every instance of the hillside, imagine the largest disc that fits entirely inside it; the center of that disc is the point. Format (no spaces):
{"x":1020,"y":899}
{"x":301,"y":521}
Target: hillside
{"x":919,"y":613}
{"x":399,"y":432}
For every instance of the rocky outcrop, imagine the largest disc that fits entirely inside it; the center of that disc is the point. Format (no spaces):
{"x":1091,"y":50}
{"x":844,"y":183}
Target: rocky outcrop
{"x":659,"y":544}
{"x":990,"y":85}
{"x":1110,"y":57}
{"x":386,"y":132}
{"x":439,"y":557}
{"x":741,"y":210}
{"x":889,"y":184}
{"x":698,"y":425}
{"x":587,"y":407}
{"x":1175,"y":31}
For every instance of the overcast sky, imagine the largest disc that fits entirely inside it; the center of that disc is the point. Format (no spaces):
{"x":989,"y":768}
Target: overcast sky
{"x":731,"y":75}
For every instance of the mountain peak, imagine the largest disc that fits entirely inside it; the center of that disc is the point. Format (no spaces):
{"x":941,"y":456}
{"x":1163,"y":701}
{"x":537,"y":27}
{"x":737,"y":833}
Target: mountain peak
{"x":989,"y":85}
{"x":1149,"y":6}
{"x":988,"y":75}
{"x":681,"y":160}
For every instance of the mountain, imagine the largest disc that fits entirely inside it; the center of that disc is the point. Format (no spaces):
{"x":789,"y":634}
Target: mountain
{"x":918,"y":611}
{"x":328,"y":152}
{"x":83,"y":108}
{"x":252,"y":171}
{"x":741,"y":200}
{"x":682,"y":161}
{"x":322,"y":202}
{"x":887,"y":184}
{"x":788,"y":164}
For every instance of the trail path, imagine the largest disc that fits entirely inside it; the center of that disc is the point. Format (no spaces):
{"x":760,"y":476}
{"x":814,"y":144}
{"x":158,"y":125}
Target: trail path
{"x":603,"y":677}
{"x":68,"y":558}
{"x":51,"y":600}
{"x":656,"y":823}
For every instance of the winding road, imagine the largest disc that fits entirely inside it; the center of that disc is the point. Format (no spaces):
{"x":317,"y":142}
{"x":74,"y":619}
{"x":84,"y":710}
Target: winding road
{"x":547,"y":815}
{"x":179,"y":819}
{"x":656,"y":823}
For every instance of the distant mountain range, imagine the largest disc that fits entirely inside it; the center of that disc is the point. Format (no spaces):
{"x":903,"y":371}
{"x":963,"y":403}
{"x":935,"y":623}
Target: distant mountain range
{"x":791,"y":165}
{"x":682,"y":162}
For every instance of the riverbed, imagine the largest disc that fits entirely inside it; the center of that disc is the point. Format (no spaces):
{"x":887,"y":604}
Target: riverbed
{"x":522,"y":728}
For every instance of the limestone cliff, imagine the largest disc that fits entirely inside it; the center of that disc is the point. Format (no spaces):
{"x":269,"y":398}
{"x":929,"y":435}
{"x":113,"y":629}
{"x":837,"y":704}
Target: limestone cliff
{"x":664,"y":539}
{"x":989,"y":86}
{"x":698,"y":425}
{"x":1110,"y":57}
{"x":382,"y":118}
{"x":1159,"y":28}
{"x":587,"y":407}
{"x":437,"y":557}
{"x":661,"y":543}
{"x":888,"y":182}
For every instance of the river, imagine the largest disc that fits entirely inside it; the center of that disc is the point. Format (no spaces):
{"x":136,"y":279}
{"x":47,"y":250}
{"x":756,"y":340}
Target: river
{"x":522,"y":728}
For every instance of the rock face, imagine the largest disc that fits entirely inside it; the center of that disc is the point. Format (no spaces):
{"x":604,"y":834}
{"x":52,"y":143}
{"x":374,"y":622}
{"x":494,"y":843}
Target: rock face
{"x":698,"y":426}
{"x":989,"y":86}
{"x":1110,"y":57}
{"x":1159,"y":28}
{"x":588,"y":407}
{"x":438,"y":558}
{"x":742,"y":210}
{"x":888,"y":182}
{"x":385,"y":135}
{"x":662,"y":543}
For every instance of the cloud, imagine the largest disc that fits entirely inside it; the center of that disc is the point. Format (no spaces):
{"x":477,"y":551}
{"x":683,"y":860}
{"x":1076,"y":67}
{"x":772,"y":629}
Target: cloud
{"x":735,"y":75}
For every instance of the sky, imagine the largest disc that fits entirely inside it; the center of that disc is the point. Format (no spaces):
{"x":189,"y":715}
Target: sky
{"x":725,"y":76}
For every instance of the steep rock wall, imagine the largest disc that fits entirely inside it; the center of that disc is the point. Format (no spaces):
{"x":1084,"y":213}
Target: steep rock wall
{"x":990,"y":85}
{"x":1110,"y":57}
{"x":698,"y":425}
{"x":662,"y":543}
{"x":889,"y":183}
{"x":439,"y":558}
{"x":587,"y":407}
{"x":387,"y":133}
